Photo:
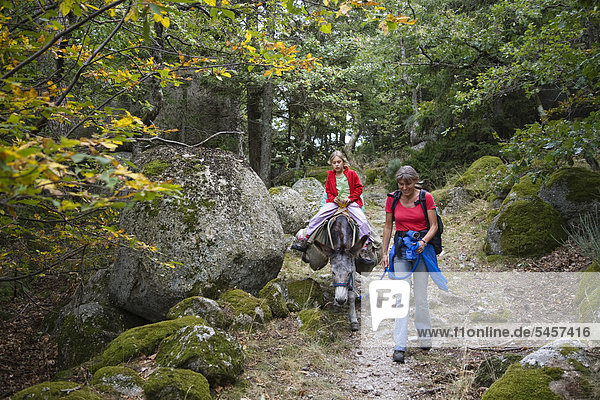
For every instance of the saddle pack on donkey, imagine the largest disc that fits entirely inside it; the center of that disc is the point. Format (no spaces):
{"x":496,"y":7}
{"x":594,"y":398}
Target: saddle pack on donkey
{"x":317,"y":259}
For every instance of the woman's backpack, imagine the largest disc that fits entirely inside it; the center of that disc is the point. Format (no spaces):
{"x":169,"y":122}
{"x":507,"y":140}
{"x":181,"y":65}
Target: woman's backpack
{"x":436,"y":241}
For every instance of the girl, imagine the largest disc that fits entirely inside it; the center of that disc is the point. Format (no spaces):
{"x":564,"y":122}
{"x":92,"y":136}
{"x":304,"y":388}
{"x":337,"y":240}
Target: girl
{"x":343,"y":190}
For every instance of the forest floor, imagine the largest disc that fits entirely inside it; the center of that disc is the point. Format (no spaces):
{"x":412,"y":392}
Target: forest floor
{"x":282,"y":363}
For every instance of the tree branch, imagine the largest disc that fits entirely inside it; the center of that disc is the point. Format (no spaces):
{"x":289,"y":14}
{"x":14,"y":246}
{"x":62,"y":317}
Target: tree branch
{"x":57,"y":37}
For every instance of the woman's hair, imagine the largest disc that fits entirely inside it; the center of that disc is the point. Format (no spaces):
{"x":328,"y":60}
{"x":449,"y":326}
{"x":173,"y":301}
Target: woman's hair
{"x":407,"y":174}
{"x":339,"y":154}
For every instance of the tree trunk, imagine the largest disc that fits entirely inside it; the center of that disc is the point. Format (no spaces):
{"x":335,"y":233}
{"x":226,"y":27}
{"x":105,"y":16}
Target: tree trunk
{"x":266,"y":142}
{"x":254,"y":127}
{"x":413,"y":129}
{"x":157,"y":93}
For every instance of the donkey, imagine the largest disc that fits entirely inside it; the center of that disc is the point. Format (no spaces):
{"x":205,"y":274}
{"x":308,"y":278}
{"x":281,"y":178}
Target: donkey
{"x":342,"y":255}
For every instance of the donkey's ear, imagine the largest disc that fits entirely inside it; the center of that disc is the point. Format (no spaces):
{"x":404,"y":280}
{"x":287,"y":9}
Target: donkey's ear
{"x":328,"y":251}
{"x":358,"y":245}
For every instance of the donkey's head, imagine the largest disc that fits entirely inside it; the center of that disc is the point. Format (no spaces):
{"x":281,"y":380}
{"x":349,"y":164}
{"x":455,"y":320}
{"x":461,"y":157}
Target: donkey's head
{"x":341,"y":257}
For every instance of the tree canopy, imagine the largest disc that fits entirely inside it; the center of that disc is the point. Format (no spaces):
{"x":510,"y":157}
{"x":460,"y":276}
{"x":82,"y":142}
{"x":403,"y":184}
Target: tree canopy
{"x":84,"y":80}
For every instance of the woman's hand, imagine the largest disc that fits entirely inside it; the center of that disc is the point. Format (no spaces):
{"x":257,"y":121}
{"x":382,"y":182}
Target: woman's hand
{"x":384,"y":260}
{"x":421,"y":247}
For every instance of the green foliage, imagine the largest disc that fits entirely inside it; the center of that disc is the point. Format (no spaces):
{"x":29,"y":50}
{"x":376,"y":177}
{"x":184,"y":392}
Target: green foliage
{"x":438,"y":159}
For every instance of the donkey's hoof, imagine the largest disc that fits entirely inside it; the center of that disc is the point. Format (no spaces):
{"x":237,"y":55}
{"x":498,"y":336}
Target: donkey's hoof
{"x":353,"y":326}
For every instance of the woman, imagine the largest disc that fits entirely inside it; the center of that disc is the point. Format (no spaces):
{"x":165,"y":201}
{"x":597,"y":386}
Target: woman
{"x":343,"y":190}
{"x":409,"y":216}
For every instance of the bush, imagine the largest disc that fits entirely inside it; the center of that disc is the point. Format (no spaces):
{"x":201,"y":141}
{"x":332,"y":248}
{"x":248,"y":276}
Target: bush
{"x":586,"y":235}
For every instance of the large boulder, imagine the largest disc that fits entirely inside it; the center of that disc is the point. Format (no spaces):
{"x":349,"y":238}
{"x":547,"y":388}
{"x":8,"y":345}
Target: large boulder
{"x":294,"y":212}
{"x":572,"y":191}
{"x":311,"y":190}
{"x":525,"y":228}
{"x":223,"y":232}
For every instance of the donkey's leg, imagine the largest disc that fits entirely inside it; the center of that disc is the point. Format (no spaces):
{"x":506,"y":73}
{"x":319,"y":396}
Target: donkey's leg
{"x":353,"y":317}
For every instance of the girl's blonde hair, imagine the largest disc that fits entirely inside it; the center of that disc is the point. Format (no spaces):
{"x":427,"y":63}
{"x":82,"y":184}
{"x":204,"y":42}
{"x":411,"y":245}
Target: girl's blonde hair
{"x":339,"y":154}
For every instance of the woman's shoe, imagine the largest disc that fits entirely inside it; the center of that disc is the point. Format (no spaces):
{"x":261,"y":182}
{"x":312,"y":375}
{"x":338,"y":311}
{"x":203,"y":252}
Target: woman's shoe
{"x":398,"y":356}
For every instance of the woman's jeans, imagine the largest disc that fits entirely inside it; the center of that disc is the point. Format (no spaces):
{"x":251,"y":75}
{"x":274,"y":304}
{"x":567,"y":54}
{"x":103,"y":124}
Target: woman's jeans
{"x":420,"y":277}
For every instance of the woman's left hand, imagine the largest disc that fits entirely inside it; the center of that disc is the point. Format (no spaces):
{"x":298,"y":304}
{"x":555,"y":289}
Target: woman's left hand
{"x":421,"y":246}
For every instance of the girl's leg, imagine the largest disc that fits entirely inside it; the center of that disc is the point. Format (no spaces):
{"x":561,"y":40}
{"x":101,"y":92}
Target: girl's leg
{"x":325,"y":212}
{"x":359,"y":216}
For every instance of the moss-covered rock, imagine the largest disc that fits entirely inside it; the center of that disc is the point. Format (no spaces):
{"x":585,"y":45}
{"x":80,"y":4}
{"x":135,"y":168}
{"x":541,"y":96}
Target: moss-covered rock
{"x":493,"y":368}
{"x":87,"y":331}
{"x":88,"y":323}
{"x":320,"y":325}
{"x":572,"y":191}
{"x":441,"y":197}
{"x":85,"y":393}
{"x":520,"y":383}
{"x":319,"y":173}
{"x":176,"y":384}
{"x":204,"y":349}
{"x":450,"y":201}
{"x":524,"y":189}
{"x":155,"y":168}
{"x":481,"y":176}
{"x":143,"y":339}
{"x":118,"y":380}
{"x":203,"y":307}
{"x":275,"y":292}
{"x":50,"y":391}
{"x":525,"y":228}
{"x":304,"y":294}
{"x":246,"y":309}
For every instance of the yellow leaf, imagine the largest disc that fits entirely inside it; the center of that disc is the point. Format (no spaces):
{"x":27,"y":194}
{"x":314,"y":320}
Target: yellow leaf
{"x":127,"y":121}
{"x":157,"y":17}
{"x":166,"y":22}
{"x":212,"y":3}
{"x":268,"y":72}
{"x":248,"y":37}
{"x":344,"y":9}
